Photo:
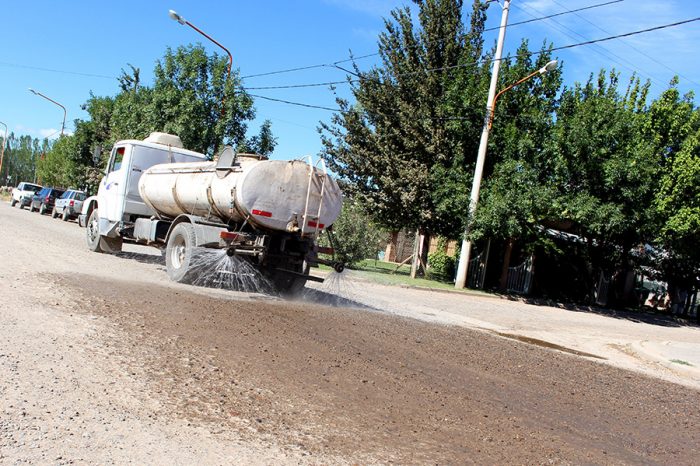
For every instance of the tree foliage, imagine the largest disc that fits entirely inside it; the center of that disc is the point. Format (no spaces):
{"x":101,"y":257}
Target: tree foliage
{"x":356,"y":236}
{"x":394,"y":146}
{"x":191,"y":96}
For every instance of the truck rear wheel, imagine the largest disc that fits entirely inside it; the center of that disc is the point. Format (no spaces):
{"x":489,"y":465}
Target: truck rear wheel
{"x":178,"y":252}
{"x":13,"y":202}
{"x":287,"y":284}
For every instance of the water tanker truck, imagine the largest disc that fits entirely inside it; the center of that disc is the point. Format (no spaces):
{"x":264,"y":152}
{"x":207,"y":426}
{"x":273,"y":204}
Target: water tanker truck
{"x":267,"y":212}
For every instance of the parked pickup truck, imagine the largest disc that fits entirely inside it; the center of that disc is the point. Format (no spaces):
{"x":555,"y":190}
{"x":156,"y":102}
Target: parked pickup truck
{"x":23,"y":193}
{"x":69,"y":205}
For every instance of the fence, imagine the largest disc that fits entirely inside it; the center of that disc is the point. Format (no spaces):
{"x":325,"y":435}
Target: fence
{"x":601,"y":291}
{"x":520,"y":277}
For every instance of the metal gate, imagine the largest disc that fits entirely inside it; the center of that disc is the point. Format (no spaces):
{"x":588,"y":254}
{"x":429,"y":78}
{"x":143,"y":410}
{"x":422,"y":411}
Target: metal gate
{"x":520,"y":277}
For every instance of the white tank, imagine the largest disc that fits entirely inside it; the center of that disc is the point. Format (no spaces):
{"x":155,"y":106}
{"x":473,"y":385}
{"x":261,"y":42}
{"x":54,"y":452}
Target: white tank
{"x":270,"y":194}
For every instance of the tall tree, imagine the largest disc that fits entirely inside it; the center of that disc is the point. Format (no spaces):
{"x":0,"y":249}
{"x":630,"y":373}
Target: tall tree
{"x":394,"y":147}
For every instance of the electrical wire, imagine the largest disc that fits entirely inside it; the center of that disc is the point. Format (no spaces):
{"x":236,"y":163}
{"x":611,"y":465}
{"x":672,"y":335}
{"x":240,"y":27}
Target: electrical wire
{"x":641,"y":52}
{"x":75,"y":73}
{"x":556,"y":14}
{"x":553,"y":49}
{"x":300,"y":104}
{"x":609,"y":55}
{"x":333,"y":64}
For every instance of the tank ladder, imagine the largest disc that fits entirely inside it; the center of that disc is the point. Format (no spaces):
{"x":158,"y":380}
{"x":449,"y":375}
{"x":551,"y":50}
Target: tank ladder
{"x":319,"y":171}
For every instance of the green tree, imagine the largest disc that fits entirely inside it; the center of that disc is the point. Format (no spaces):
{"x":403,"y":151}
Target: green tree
{"x":394,"y":146}
{"x":356,"y":237}
{"x":21,"y":156}
{"x":604,"y":169}
{"x":187,"y":97}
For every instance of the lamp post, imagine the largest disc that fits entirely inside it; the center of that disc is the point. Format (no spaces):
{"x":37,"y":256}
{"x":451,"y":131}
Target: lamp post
{"x":63,"y":125}
{"x":175,"y":16}
{"x":2,"y":151}
{"x":465,"y":253}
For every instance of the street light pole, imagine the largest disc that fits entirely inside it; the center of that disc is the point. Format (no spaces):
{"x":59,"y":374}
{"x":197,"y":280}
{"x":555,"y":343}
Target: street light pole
{"x":175,"y":16}
{"x":466,"y":244}
{"x":63,"y":125}
{"x":2,"y":151}
{"x":461,"y":280}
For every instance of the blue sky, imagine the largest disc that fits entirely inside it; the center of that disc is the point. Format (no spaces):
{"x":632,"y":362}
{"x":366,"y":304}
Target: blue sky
{"x":68,"y":49}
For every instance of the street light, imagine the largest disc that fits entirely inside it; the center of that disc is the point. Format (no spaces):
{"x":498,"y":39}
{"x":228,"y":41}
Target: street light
{"x":175,"y":16}
{"x":51,"y":100}
{"x":465,"y":253}
{"x":4,"y":143}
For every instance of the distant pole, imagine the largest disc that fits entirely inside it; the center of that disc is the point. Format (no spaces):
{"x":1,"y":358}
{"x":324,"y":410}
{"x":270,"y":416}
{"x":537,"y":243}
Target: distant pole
{"x":2,"y":151}
{"x":465,"y":253}
{"x":63,"y":125}
{"x":175,"y":16}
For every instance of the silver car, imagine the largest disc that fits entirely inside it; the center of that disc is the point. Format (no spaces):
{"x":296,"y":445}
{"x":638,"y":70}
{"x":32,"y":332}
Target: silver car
{"x":69,"y":205}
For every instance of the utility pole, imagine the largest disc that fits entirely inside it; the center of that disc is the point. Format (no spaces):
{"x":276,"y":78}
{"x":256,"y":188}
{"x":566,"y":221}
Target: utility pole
{"x":465,"y":253}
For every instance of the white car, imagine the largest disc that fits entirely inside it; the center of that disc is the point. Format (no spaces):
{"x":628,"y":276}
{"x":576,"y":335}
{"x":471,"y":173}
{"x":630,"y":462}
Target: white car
{"x":23,"y":193}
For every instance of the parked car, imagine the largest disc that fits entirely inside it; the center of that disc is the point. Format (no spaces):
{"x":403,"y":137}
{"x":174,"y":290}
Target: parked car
{"x":23,"y":193}
{"x":44,"y":200}
{"x":69,"y":205}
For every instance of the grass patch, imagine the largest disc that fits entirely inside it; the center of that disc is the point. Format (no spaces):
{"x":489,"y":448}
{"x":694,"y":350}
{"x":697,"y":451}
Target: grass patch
{"x":681,"y":362}
{"x":389,"y":273}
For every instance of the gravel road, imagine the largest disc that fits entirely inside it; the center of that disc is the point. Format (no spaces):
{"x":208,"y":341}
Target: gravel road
{"x":105,"y":361}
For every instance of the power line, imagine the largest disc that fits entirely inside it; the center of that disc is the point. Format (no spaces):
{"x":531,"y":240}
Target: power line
{"x":627,"y":34}
{"x":310,"y":67}
{"x":642,"y":52}
{"x":563,"y":47}
{"x":300,"y":104}
{"x":76,"y":73}
{"x":599,"y":49}
{"x":333,"y":64}
{"x":556,"y":14}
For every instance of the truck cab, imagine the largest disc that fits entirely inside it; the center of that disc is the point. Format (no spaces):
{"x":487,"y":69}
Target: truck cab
{"x":118,"y":203}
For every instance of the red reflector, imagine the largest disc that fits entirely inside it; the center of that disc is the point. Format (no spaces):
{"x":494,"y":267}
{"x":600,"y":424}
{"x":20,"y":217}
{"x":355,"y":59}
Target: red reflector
{"x":262,"y":213}
{"x":313,"y":224}
{"x":71,"y":203}
{"x":47,"y":200}
{"x":324,"y":250}
{"x":228,"y":235}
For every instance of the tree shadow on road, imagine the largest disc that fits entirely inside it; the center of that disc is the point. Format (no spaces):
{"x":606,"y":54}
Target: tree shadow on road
{"x":639,"y":316}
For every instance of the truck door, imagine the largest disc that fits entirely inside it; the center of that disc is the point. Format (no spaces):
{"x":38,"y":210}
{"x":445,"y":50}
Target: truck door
{"x":142,"y":158}
{"x":110,"y":196}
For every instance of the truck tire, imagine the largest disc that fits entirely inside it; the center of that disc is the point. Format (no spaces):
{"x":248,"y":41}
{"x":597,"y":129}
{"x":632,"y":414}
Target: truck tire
{"x":13,"y":202}
{"x":289,"y":285}
{"x":92,"y":232}
{"x":178,"y":252}
{"x":97,"y":242}
{"x":54,"y":214}
{"x":42,"y":209}
{"x":65,"y":216}
{"x":31,"y":207}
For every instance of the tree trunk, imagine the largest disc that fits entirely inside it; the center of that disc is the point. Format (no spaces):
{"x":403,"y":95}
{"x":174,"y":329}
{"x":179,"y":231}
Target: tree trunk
{"x":390,"y":252}
{"x":503,"y":284}
{"x":420,"y":254}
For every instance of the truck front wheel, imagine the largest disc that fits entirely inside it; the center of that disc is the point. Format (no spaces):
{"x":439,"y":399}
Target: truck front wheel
{"x":178,"y":252}
{"x":97,"y":242}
